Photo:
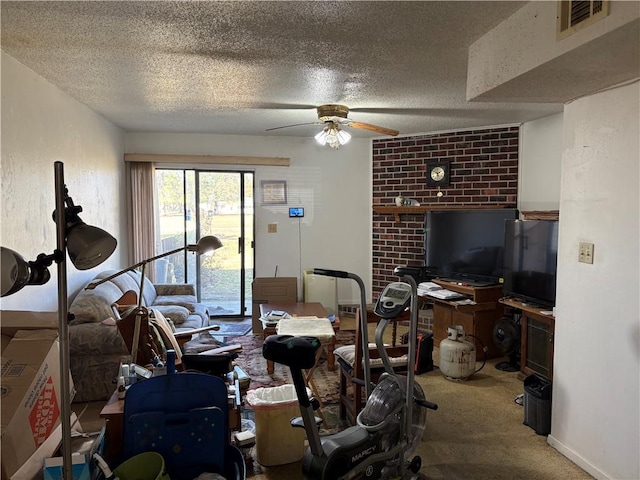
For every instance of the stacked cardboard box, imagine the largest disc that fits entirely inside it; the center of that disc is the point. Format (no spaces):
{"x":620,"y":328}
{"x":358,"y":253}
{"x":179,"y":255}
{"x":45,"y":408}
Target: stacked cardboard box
{"x":31,"y":399}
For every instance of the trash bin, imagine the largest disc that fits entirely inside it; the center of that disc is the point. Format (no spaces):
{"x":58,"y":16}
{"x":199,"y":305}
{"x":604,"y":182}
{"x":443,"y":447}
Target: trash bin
{"x":277,"y":442}
{"x":144,"y":466}
{"x":537,"y":404}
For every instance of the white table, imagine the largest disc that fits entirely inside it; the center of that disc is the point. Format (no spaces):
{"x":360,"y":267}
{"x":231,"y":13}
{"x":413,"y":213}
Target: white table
{"x":322,"y":329}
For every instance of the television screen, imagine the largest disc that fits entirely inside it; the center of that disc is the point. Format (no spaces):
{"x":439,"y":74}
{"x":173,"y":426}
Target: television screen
{"x":530,"y":260}
{"x":466,"y":245}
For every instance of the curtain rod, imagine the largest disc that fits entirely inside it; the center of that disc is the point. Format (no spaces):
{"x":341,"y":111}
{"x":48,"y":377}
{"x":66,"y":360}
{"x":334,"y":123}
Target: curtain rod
{"x":210,"y":159}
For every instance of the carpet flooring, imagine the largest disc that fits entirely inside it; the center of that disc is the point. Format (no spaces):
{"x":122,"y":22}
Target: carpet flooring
{"x":255,"y":365}
{"x":477,"y":433}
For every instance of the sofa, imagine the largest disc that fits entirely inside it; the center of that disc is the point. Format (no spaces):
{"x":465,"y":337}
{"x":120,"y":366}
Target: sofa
{"x":95,"y":344}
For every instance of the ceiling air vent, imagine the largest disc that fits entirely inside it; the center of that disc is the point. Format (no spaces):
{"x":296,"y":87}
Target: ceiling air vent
{"x":574,"y":15}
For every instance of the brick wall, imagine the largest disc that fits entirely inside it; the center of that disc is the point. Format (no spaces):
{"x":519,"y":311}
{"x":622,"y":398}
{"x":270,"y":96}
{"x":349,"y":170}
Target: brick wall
{"x":484,"y":171}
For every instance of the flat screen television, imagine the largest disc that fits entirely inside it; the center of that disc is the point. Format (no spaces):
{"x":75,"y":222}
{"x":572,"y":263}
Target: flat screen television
{"x":530,"y":261}
{"x":466,"y":245}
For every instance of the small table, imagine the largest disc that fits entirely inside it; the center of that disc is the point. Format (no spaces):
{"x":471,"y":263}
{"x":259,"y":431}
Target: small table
{"x":322,"y":329}
{"x":300,"y":309}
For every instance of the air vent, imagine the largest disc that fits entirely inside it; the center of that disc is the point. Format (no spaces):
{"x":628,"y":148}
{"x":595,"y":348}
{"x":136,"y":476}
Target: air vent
{"x":574,"y":15}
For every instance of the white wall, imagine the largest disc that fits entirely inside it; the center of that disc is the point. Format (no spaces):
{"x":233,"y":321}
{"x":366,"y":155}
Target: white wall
{"x":334,"y":187}
{"x":540,"y":164}
{"x":596,"y":394}
{"x":509,"y":54}
{"x":41,"y":125}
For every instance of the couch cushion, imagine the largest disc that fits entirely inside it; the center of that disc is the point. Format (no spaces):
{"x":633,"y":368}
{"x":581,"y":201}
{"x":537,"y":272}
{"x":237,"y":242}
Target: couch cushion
{"x":149,"y":292}
{"x":124,"y":282}
{"x":348,"y":353}
{"x":96,"y":340}
{"x":187,"y":301}
{"x":194,"y":321}
{"x":92,"y":306}
{"x":176,"y":313}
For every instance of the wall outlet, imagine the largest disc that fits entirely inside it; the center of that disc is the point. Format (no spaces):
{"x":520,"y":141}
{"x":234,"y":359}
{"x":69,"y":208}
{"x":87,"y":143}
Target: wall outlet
{"x":272,"y":228}
{"x":585,"y":252}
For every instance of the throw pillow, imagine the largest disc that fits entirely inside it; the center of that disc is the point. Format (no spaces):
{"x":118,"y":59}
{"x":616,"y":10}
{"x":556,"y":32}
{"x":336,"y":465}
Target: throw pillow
{"x":177,"y":313}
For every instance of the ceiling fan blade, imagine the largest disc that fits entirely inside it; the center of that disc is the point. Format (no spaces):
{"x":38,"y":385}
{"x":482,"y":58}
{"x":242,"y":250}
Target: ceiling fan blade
{"x":373,"y":128}
{"x":294,"y":125}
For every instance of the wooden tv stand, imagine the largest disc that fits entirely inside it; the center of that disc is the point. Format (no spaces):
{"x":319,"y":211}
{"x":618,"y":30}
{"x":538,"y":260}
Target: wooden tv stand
{"x":477,"y":320}
{"x":536,"y":338}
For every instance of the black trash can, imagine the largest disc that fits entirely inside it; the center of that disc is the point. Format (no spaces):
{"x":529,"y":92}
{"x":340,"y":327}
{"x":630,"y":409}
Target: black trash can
{"x":537,"y":404}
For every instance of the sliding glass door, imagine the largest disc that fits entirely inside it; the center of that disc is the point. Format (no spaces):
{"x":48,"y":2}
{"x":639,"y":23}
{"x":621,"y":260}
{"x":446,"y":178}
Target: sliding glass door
{"x":195,"y":203}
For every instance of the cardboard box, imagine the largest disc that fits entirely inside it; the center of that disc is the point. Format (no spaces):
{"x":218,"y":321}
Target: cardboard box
{"x":31,"y":396}
{"x":13,"y":320}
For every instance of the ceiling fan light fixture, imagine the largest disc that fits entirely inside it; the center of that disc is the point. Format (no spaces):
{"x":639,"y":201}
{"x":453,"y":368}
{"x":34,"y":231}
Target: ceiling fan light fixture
{"x":332,"y":134}
{"x":343,"y":137}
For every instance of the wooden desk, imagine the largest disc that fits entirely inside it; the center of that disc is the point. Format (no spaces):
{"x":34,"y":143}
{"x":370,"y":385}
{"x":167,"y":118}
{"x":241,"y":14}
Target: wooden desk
{"x":299,"y":309}
{"x":113,"y":413}
{"x":477,"y":319}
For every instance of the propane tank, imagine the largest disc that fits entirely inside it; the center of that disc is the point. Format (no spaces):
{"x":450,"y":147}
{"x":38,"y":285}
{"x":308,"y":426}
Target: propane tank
{"x":457,"y":355}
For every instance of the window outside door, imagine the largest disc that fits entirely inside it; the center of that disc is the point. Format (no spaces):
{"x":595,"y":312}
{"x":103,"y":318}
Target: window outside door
{"x":195,"y":203}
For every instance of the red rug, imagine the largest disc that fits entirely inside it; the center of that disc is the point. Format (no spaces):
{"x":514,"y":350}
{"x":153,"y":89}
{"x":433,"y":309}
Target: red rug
{"x":255,"y":365}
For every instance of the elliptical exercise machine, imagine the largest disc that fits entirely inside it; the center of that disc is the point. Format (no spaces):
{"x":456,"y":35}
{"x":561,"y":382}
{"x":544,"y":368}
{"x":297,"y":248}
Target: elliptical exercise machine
{"x":392,"y":421}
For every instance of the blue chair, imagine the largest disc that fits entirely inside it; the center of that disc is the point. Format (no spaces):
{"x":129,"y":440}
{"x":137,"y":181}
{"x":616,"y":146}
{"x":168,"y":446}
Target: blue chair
{"x":184,"y":417}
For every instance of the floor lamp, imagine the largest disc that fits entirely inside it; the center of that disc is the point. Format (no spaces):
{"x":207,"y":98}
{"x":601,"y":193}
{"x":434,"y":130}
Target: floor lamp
{"x":87,"y":247}
{"x":205,"y":245}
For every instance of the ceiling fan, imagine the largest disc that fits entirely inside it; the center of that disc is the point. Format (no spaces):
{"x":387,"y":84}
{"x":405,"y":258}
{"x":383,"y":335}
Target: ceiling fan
{"x":333,"y":116}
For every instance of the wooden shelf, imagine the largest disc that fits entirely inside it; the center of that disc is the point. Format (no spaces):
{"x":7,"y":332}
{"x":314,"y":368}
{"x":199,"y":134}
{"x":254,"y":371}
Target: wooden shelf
{"x":541,"y":215}
{"x":421,"y":209}
{"x":525,"y":307}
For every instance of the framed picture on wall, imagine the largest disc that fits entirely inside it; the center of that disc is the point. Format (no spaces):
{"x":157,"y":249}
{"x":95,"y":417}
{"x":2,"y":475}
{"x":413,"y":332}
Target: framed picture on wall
{"x":274,"y":192}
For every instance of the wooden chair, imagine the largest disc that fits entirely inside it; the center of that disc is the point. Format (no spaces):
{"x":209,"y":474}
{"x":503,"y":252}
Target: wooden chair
{"x":350,"y":361}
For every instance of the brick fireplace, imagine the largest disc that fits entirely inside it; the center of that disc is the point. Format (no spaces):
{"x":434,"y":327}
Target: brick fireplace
{"x":484,"y":171}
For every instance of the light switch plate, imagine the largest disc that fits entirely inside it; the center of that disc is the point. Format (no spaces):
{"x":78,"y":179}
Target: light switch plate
{"x":585,"y":252}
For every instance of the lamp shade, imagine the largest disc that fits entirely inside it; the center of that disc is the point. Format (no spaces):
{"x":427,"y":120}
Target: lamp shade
{"x":88,"y":246}
{"x":16,"y":272}
{"x":206,"y":244}
{"x":332,"y":134}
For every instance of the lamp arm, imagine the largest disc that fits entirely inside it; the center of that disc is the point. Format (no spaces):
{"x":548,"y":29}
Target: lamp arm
{"x":44,"y":261}
{"x":93,"y":285}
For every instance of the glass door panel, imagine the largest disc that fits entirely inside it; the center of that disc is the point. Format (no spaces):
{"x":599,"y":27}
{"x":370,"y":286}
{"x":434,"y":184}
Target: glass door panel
{"x":195,"y":203}
{"x":171,"y":225}
{"x":220,"y":215}
{"x":248,"y":240}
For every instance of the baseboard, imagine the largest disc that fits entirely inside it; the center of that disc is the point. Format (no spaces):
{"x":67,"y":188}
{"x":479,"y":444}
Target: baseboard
{"x":578,"y":459}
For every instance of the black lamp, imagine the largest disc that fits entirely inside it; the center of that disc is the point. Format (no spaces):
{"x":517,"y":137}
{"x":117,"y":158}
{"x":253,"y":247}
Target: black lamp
{"x":87,"y":247}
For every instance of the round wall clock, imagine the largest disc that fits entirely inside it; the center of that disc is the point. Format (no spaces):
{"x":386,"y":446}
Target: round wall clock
{"x":438,"y":174}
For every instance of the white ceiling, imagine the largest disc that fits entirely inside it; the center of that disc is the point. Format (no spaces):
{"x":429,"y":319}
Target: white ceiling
{"x":243,"y":67}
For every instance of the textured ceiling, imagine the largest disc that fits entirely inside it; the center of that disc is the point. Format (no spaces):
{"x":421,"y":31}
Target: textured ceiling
{"x":244,"y":67}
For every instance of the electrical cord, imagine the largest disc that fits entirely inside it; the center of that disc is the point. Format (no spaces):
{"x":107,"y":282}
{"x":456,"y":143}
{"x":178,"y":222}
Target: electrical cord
{"x":300,"y":247}
{"x":484,"y":350}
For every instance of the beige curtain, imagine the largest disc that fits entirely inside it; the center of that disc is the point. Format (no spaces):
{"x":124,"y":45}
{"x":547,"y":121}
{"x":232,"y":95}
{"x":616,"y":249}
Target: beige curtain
{"x":141,"y":185}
